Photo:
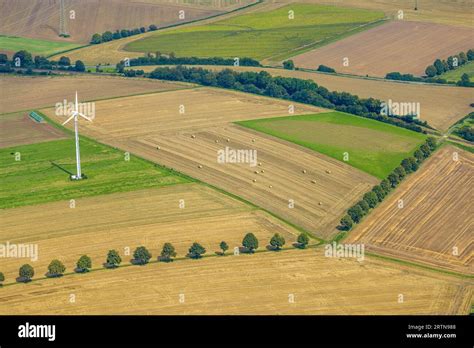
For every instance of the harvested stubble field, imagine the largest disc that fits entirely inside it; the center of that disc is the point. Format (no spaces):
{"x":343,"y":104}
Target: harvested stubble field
{"x":20,"y":129}
{"x":118,"y":221}
{"x":403,"y":46}
{"x":453,"y":12}
{"x":441,"y":106}
{"x":247,"y":284}
{"x":40,"y":19}
{"x":435,"y":219}
{"x":24,"y":93}
{"x":318,"y":205}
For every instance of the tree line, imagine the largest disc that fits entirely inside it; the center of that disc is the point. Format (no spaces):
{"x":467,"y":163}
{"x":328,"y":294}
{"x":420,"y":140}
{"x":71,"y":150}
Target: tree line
{"x":171,"y":59}
{"x":142,"y":256}
{"x":372,"y":198}
{"x":439,"y":67}
{"x":295,"y":89}
{"x":24,"y":59}
{"x":107,"y":36}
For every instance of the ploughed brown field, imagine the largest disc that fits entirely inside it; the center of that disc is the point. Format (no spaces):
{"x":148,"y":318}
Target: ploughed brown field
{"x":403,"y":46}
{"x":40,"y":19}
{"x":435,"y":224}
{"x":24,"y":93}
{"x":441,"y":106}
{"x":285,"y":282}
{"x":152,"y":127}
{"x":124,"y":221}
{"x":20,"y":129}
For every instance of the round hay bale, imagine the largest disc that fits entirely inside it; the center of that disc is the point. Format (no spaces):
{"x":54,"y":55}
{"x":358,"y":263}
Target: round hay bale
{"x":304,"y":171}
{"x":254,"y":180}
{"x":193,"y":136}
{"x":256,"y":172}
{"x":262,"y":171}
{"x":260,"y":164}
{"x":217,"y":141}
{"x":158,"y":148}
{"x":328,"y":171}
{"x":200,"y":166}
{"x":228,"y":140}
{"x":253,"y":140}
{"x":313,"y":181}
{"x":320,"y":203}
{"x":270,"y":186}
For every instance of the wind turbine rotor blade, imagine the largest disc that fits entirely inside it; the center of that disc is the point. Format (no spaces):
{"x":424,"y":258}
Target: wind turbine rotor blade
{"x":70,"y":118}
{"x":84,"y":116}
{"x":76,"y":103}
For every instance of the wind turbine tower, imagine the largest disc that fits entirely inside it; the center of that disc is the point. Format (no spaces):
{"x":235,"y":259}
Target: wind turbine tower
{"x":74,"y":116}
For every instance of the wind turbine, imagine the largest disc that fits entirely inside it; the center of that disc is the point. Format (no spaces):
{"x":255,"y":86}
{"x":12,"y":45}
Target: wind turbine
{"x":74,"y":116}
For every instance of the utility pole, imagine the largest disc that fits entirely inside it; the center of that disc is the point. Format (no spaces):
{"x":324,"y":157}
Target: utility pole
{"x":62,"y":19}
{"x":416,"y":5}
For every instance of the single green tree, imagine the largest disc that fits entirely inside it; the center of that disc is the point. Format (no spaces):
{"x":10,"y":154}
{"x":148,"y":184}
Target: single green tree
{"x":168,"y":252}
{"x":419,"y":155}
{"x":431,"y":142}
{"x":379,"y":192}
{"x":347,"y":222}
{"x":250,"y":242}
{"x":277,"y":241}
{"x":84,"y":264}
{"x":79,"y":66}
{"x":196,"y":251}
{"x":96,"y":39}
{"x":289,"y":65}
{"x":393,"y":179}
{"x":356,"y":213}
{"x":65,"y":61}
{"x":364,"y":206}
{"x":113,"y":259}
{"x":430,"y":71}
{"x":371,"y":198}
{"x":26,"y":272}
{"x":56,"y":268}
{"x":302,"y":240}
{"x":141,"y":255}
{"x":224,"y":247}
{"x":2,"y":279}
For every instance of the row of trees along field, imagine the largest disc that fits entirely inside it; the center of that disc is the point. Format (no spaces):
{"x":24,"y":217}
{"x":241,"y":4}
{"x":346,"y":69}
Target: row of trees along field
{"x":142,"y":256}
{"x":372,"y":198}
{"x":24,"y":59}
{"x":118,"y":34}
{"x":438,"y":68}
{"x":170,"y":59}
{"x":298,"y":90}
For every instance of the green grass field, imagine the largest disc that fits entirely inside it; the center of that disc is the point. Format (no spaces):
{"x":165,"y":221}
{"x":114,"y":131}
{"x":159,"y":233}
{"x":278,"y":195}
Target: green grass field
{"x":34,"y":46}
{"x":374,"y":147}
{"x":34,"y":180}
{"x":259,"y":35}
{"x":455,"y":75}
